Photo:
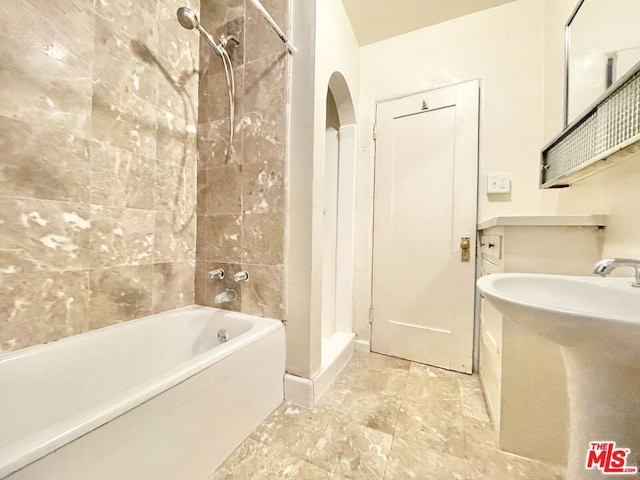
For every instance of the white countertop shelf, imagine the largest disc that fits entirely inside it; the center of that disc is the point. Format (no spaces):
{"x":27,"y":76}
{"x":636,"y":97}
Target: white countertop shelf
{"x":545,"y":221}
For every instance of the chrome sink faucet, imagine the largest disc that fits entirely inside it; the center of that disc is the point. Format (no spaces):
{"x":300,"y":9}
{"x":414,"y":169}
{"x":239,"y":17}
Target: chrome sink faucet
{"x":608,"y":265}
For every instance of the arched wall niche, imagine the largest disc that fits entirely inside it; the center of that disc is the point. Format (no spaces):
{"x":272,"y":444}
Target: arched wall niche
{"x":342,"y":96}
{"x":338,"y":206}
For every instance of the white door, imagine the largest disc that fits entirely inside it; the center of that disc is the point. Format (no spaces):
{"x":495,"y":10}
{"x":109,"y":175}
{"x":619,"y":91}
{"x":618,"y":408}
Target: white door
{"x":425,"y":202}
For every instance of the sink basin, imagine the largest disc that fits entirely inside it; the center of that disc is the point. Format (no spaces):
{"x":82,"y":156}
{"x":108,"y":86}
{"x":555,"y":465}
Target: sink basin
{"x":569,"y":310}
{"x":596,"y":323}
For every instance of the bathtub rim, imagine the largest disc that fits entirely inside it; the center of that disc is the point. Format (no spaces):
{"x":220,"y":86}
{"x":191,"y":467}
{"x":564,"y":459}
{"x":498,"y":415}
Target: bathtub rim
{"x":38,"y":444}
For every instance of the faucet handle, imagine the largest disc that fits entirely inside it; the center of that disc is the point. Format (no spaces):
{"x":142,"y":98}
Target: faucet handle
{"x":216,"y":273}
{"x":241,"y":276}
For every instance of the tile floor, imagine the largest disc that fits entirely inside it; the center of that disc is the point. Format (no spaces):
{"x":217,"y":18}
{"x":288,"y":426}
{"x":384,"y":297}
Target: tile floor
{"x":383,"y":418}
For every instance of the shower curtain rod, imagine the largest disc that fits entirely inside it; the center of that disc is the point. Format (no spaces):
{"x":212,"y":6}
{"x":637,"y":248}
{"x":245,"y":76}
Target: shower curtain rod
{"x":275,"y":26}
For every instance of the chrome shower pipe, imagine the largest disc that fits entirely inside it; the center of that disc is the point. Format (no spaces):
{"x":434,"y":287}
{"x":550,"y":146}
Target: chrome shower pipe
{"x":274,"y":25}
{"x":210,"y":40}
{"x":189,"y":20}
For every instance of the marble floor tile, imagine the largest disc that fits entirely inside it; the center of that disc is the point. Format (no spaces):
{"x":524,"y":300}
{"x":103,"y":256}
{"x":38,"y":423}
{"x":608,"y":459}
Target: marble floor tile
{"x":429,"y":383}
{"x":438,"y":425}
{"x":409,"y":460}
{"x":473,"y":404}
{"x":429,"y":371}
{"x":350,"y":374}
{"x":352,"y":451}
{"x":384,"y":418}
{"x":376,"y":361}
{"x":288,"y":413}
{"x":477,"y":431}
{"x":256,"y":461}
{"x":312,"y":472}
{"x":334,"y":396}
{"x":297,"y":439}
{"x":468,"y":382}
{"x":371,"y":409}
{"x":383,"y":381}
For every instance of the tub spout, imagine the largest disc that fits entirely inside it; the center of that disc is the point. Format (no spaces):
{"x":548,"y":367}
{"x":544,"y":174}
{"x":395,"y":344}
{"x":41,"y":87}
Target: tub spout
{"x":229,"y":295}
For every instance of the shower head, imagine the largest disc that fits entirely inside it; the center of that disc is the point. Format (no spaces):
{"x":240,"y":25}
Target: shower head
{"x":187,"y":18}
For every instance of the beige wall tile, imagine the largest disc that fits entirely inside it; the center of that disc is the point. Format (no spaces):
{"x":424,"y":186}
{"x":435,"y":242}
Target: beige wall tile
{"x":221,"y":238}
{"x":173,"y":285}
{"x":126,"y":121}
{"x":213,"y":101}
{"x":175,"y":189}
{"x":261,"y":42}
{"x":121,"y":236}
{"x":176,"y":139}
{"x":201,"y":283}
{"x":45,"y":86}
{"x":219,"y":12}
{"x":42,"y":235}
{"x":263,"y":239}
{"x":262,"y":293}
{"x":119,"y":294}
{"x":264,"y":137}
{"x":83,"y":193}
{"x":27,"y":170}
{"x":138,"y":18}
{"x":213,"y":142}
{"x":175,"y":237}
{"x":264,"y":85}
{"x":224,"y":191}
{"x":242,"y":218}
{"x":121,"y":178}
{"x":41,"y":307}
{"x":263,"y":188}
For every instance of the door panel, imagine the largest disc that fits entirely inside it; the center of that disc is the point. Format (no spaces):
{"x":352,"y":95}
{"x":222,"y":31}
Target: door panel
{"x":425,"y":200}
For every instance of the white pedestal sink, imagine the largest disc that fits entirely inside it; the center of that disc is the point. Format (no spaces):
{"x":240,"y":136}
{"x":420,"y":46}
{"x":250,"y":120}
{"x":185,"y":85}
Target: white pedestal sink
{"x":596,"y":323}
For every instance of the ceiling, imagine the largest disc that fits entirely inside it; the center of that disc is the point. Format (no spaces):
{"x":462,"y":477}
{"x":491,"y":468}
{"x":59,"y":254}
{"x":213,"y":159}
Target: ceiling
{"x":375,"y":20}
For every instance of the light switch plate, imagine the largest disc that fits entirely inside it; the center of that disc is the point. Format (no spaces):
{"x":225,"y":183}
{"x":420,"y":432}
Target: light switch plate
{"x":499,"y":183}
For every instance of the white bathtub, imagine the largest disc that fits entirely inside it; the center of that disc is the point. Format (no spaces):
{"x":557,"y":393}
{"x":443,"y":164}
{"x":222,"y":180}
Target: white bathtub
{"x":155,"y":398}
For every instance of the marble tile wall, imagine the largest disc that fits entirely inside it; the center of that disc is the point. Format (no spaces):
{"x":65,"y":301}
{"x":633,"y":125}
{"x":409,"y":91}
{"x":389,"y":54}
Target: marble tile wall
{"x":98,"y":164}
{"x":241,"y":196}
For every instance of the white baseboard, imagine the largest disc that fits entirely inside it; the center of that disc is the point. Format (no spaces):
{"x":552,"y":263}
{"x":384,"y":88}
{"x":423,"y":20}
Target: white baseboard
{"x":306,"y":392}
{"x":332,"y":366}
{"x":363,"y":345}
{"x":298,"y":390}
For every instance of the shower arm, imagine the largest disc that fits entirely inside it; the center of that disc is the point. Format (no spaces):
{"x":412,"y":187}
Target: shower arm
{"x":275,"y":26}
{"x":210,"y":40}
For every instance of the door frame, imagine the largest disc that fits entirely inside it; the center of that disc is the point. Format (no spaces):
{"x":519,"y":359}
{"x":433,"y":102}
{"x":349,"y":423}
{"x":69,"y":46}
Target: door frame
{"x":475,"y":102}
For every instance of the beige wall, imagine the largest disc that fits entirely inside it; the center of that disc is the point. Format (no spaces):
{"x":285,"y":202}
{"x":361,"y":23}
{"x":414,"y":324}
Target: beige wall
{"x":241,"y":198}
{"x":504,"y":48}
{"x":98,"y":165}
{"x":517,"y":51}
